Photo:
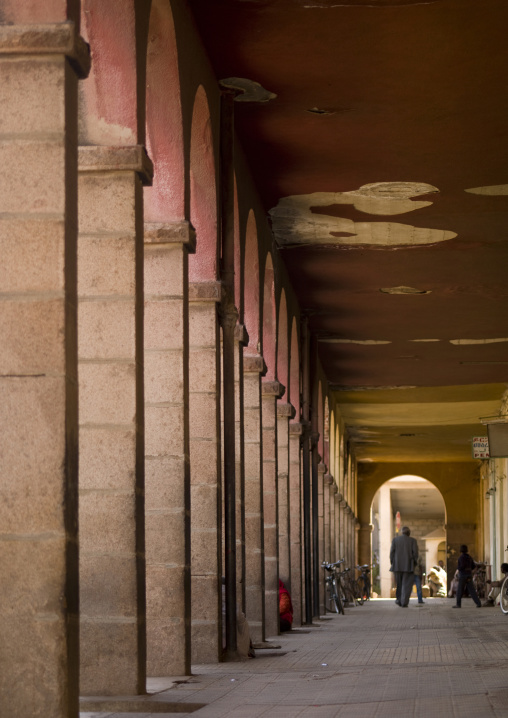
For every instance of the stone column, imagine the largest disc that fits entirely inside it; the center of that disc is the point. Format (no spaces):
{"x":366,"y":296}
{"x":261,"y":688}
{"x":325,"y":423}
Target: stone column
{"x":206,"y":523}
{"x":328,"y":480}
{"x":285,"y":412}
{"x":321,"y":533}
{"x":241,"y":341}
{"x":253,"y":368}
{"x":39,"y":648}
{"x":295,"y":520}
{"x":167,"y":461}
{"x":111,"y":493}
{"x":271,"y":391}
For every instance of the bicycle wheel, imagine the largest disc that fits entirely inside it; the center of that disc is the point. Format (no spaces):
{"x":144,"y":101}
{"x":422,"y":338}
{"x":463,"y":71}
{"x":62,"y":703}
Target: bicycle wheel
{"x":358,"y":592}
{"x":331,"y":605}
{"x":339,"y":606}
{"x":503,"y":598}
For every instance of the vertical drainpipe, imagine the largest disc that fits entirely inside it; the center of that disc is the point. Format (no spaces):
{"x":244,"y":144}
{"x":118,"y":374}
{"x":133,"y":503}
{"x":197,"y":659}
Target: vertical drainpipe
{"x":228,"y":318}
{"x":314,"y":437}
{"x":306,"y":470}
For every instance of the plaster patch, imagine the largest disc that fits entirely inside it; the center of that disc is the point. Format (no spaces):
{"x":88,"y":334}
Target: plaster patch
{"x":99,"y":131}
{"x":403,"y":290}
{"x":332,"y":340}
{"x":462,"y":342}
{"x":295,"y":223}
{"x":250,"y":91}
{"x":491,"y":190}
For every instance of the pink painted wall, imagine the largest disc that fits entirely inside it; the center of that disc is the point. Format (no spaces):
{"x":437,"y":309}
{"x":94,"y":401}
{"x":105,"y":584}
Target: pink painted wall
{"x":165,"y":199}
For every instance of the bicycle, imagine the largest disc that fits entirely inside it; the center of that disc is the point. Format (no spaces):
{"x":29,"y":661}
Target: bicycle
{"x":479,"y":579}
{"x":334,"y":603}
{"x":352,"y":591}
{"x":503,"y":596}
{"x":365,"y":577}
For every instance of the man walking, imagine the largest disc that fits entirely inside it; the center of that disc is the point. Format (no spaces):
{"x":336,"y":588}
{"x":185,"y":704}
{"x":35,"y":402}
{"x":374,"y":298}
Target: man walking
{"x":403,"y":557}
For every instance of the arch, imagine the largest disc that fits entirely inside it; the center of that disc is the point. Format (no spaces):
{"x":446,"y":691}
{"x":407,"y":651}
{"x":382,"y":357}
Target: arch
{"x":203,"y":193}
{"x":251,"y":284}
{"x":320,"y":421}
{"x":237,"y":255}
{"x":385,"y":502}
{"x":110,"y":106}
{"x":165,"y":199}
{"x":268,"y":320}
{"x":326,"y":433}
{"x":294,"y":375}
{"x":282,"y":342}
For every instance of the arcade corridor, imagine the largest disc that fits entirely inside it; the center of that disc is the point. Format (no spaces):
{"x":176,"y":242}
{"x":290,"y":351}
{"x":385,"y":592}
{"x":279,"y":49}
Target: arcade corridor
{"x":253,"y":268}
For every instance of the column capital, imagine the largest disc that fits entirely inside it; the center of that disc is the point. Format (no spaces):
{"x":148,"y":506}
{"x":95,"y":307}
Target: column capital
{"x":204,"y":292}
{"x":322,"y":468}
{"x":286,"y":409}
{"x":329,"y":479}
{"x":273,"y":388}
{"x":52,"y":39}
{"x":170,"y":233}
{"x":241,"y":334}
{"x":314,"y":438}
{"x":254,"y":364}
{"x":339,"y":496}
{"x":295,"y":429}
{"x":116,"y":158}
{"x":368,"y":528}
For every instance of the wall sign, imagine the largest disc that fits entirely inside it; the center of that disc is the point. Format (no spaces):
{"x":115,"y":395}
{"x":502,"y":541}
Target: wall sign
{"x":480,"y":447}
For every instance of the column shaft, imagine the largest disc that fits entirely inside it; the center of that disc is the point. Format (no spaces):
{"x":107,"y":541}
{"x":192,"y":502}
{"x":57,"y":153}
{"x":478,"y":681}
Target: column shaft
{"x":295,"y":518}
{"x":39,"y":649}
{"x":285,"y":412}
{"x":167,"y":461}
{"x":111,"y":495}
{"x":206,"y":522}
{"x":271,"y":390}
{"x":254,"y":367}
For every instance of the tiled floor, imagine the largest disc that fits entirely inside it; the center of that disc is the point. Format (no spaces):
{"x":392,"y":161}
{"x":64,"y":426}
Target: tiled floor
{"x":376,"y":661}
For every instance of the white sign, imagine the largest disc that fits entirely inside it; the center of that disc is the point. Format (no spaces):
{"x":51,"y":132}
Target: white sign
{"x":481,"y":447}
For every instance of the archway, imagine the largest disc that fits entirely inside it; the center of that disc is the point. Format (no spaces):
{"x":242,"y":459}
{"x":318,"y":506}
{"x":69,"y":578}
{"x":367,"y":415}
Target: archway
{"x":411,"y":501}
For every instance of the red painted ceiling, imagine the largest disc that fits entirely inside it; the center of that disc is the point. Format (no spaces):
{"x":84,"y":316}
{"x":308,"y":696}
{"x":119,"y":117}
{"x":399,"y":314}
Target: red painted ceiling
{"x":411,"y":92}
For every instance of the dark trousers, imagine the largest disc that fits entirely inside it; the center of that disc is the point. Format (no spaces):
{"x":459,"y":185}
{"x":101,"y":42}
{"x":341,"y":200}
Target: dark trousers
{"x":405,"y":580}
{"x":463,"y":580}
{"x":418,"y":582}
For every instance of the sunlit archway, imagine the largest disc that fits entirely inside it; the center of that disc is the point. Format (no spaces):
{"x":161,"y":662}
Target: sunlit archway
{"x":406,"y":500}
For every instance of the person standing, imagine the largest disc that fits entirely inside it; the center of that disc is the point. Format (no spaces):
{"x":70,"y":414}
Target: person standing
{"x":418,"y":574}
{"x":403,"y":557}
{"x":465,"y":567}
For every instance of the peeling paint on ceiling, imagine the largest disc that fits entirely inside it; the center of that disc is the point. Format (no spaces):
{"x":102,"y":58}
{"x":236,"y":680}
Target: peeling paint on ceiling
{"x":461,"y":342}
{"x":295,"y":223}
{"x":250,"y":91}
{"x":366,"y":3}
{"x":403,"y":290}
{"x":365,"y":342}
{"x":491,"y":190}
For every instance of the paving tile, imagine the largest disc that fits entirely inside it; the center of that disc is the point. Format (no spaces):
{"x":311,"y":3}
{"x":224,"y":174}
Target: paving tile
{"x":374,"y":662}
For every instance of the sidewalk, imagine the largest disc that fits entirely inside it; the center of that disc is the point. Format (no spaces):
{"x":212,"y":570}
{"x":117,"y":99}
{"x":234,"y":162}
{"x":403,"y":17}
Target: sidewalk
{"x":376,"y":661}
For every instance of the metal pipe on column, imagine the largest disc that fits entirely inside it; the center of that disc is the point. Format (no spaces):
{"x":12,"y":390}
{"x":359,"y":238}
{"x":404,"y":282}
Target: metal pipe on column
{"x":307,"y":547}
{"x":228,"y":318}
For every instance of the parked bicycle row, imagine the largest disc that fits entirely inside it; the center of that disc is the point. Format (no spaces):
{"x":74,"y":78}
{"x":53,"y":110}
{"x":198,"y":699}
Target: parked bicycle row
{"x":343,"y":588}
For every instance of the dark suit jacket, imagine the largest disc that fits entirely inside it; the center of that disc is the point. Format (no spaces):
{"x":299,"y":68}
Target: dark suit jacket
{"x":403,"y":553}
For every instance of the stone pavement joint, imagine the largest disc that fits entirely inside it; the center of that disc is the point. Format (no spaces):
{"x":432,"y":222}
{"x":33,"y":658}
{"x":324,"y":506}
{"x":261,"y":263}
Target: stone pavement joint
{"x":374,"y":662}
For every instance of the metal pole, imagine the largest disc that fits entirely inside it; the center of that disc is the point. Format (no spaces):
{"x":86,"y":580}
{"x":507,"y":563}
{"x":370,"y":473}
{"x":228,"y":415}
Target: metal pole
{"x":306,"y":471}
{"x":228,"y":315}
